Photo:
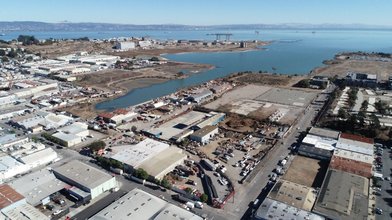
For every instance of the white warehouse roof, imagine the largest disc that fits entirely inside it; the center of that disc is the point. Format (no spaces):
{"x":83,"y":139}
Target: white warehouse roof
{"x":135,"y":155}
{"x":354,"y":156}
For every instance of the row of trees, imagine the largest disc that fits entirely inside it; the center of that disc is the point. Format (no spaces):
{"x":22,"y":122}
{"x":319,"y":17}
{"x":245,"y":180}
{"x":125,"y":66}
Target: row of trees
{"x":54,"y":139}
{"x":352,"y":96}
{"x":106,"y":162}
{"x":97,"y":146}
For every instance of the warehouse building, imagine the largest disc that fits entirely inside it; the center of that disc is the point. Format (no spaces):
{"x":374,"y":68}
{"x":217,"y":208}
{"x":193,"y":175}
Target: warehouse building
{"x":125,"y":45}
{"x":72,"y":134}
{"x":324,"y":132}
{"x":25,"y":211}
{"x":213,"y":118}
{"x":204,"y":134}
{"x":9,"y":198}
{"x":85,"y":177}
{"x":355,"y":143}
{"x":313,"y":152}
{"x":38,"y":158}
{"x":353,"y":156}
{"x":297,"y":195}
{"x":271,"y":209}
{"x":199,"y":96}
{"x":138,"y":204}
{"x":343,"y":196}
{"x":319,"y":142}
{"x":38,"y":186}
{"x":10,"y":167}
{"x":351,"y":166}
{"x":135,"y":155}
{"x":164,"y":162}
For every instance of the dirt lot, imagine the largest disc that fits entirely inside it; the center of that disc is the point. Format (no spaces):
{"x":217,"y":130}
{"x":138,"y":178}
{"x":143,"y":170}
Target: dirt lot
{"x":308,"y":171}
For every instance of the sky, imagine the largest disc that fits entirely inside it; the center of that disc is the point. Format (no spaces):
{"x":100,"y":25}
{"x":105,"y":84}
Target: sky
{"x":200,"y":12}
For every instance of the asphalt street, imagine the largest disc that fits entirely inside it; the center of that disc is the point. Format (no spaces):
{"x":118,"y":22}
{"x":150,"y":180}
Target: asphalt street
{"x":384,"y":201}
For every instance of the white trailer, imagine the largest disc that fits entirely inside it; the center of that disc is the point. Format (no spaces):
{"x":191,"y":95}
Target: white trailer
{"x":190,"y":205}
{"x":283,"y":162}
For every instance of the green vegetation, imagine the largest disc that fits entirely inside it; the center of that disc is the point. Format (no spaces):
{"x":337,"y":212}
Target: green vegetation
{"x":2,"y":52}
{"x":188,"y":190}
{"x":54,"y":139}
{"x":323,"y":85}
{"x":35,"y":139}
{"x":342,"y":113}
{"x":382,"y":107}
{"x":304,"y":83}
{"x":352,"y":96}
{"x":165,"y":183}
{"x":28,"y":40}
{"x":141,"y":174}
{"x":204,"y":197}
{"x":97,"y":146}
{"x":106,"y":162}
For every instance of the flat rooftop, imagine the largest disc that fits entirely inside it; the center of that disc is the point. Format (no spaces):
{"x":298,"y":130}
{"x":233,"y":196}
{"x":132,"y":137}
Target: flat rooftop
{"x":343,"y":196}
{"x":353,"y":156}
{"x":25,"y":211}
{"x":357,"y":138}
{"x":351,"y":166}
{"x":82,"y":174}
{"x":38,"y":185}
{"x":320,"y":142}
{"x":204,"y":131}
{"x":355,"y":146}
{"x":297,"y":195}
{"x":136,"y":154}
{"x":324,"y":132}
{"x":8,"y":196}
{"x":272,"y":209}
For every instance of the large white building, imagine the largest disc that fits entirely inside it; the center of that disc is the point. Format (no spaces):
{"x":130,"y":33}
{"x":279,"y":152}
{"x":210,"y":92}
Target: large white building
{"x":10,"y":167}
{"x":72,"y":134}
{"x":125,"y":45}
{"x":204,"y":134}
{"x":38,"y":158}
{"x":138,"y":204}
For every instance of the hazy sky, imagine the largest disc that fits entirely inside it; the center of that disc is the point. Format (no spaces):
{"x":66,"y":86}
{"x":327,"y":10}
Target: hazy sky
{"x":200,"y":12}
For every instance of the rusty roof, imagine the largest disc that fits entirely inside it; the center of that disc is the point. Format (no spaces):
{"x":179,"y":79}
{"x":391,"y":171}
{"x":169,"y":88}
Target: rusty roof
{"x":8,"y":196}
{"x":351,"y":166}
{"x":357,"y":138}
{"x":121,"y":111}
{"x":106,"y":115}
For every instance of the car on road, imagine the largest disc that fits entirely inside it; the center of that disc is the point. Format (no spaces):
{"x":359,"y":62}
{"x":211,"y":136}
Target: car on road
{"x":217,"y":174}
{"x":388,"y":178}
{"x":377,"y":189}
{"x":57,"y":212}
{"x":378,"y":210}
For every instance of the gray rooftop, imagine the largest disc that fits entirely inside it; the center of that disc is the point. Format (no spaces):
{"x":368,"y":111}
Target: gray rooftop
{"x":315,"y":151}
{"x":82,"y":174}
{"x":203,"y":131}
{"x":38,"y":185}
{"x":343,"y":196}
{"x":25,"y":211}
{"x":323,"y":132}
{"x":272,"y":209}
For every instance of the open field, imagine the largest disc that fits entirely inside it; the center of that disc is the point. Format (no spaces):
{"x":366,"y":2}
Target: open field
{"x":262,"y":102}
{"x":304,"y":170}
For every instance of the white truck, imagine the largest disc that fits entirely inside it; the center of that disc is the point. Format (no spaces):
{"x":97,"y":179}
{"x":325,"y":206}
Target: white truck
{"x":190,"y":205}
{"x":199,"y":205}
{"x":283,"y":162}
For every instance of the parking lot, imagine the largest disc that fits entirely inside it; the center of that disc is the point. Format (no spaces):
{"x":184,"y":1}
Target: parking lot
{"x":384,"y":200}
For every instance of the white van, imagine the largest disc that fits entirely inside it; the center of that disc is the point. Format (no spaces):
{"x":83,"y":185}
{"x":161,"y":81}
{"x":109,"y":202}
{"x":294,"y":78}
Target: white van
{"x":255,"y":203}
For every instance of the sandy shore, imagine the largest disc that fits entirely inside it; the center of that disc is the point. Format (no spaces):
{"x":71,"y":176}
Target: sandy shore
{"x":141,"y":83}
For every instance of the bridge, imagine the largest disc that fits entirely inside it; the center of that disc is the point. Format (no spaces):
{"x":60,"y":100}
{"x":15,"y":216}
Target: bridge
{"x":218,"y":36}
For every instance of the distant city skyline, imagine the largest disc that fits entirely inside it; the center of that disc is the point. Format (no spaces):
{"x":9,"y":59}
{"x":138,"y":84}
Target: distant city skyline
{"x":201,"y":12}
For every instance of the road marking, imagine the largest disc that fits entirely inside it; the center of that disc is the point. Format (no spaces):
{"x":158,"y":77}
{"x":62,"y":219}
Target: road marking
{"x":232,"y":214}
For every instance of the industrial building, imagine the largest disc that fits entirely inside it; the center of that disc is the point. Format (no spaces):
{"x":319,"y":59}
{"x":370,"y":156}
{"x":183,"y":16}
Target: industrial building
{"x":85,"y":177}
{"x":199,"y":96}
{"x":38,"y":158}
{"x":204,"y":134}
{"x":355,"y":143}
{"x":212,"y":118}
{"x":25,"y":211}
{"x":10,"y":167}
{"x":325,"y":132}
{"x":297,"y":195}
{"x":319,"y":80}
{"x":134,"y":155}
{"x":72,"y":134}
{"x":314,"y":152}
{"x":125,"y":45}
{"x":354,"y":156}
{"x":164,"y":162}
{"x":361,"y":80}
{"x":351,"y":166}
{"x":271,"y":209}
{"x":10,"y":199}
{"x":38,"y":186}
{"x":138,"y":204}
{"x":319,"y":142}
{"x":343,"y":196}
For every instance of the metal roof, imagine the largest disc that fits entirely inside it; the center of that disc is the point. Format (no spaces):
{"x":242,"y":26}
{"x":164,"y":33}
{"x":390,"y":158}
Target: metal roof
{"x":356,"y":138}
{"x":323,"y":132}
{"x":355,"y":146}
{"x":121,"y":111}
{"x":351,"y":166}
{"x":25,"y":211}
{"x":204,"y":131}
{"x":8,"y":196}
{"x":354,"y":156}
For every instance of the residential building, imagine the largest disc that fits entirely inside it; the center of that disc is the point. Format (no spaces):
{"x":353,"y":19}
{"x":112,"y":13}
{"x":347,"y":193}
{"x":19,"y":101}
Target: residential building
{"x":361,"y":79}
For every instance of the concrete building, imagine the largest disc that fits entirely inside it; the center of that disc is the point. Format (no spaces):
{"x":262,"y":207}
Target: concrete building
{"x":343,"y":196}
{"x":353,"y":156}
{"x":9,"y":198}
{"x":138,"y":204}
{"x":10,"y":167}
{"x":319,"y":80}
{"x":351,"y":166}
{"x":38,"y":186}
{"x":199,"y":96}
{"x":355,"y":143}
{"x":328,"y":144}
{"x":144,"y":43}
{"x":213,"y":118}
{"x":164,"y":162}
{"x":85,"y":177}
{"x":204,"y":134}
{"x":25,"y":211}
{"x":361,"y":79}
{"x":135,"y":155}
{"x":72,"y":134}
{"x":296,"y":195}
{"x":125,"y":45}
{"x":314,"y":152}
{"x":271,"y":209}
{"x":324,"y":132}
{"x":38,"y":158}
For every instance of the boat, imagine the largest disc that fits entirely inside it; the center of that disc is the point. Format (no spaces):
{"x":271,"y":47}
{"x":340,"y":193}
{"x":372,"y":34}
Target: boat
{"x":2,"y":34}
{"x":313,"y":32}
{"x":102,"y":32}
{"x":273,"y":68}
{"x":257,"y":32}
{"x":167,"y":32}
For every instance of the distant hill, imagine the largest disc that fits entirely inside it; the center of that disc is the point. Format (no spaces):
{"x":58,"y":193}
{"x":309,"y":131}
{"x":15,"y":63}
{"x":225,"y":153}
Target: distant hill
{"x":65,"y":25}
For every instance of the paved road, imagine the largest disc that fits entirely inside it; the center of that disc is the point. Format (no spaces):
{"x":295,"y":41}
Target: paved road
{"x":384,"y":201}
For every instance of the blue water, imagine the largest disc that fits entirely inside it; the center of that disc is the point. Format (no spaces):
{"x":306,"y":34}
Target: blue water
{"x":297,"y":52}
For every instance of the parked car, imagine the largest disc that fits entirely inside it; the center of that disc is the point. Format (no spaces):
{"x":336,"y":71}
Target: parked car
{"x":378,"y":211}
{"x":57,"y":212}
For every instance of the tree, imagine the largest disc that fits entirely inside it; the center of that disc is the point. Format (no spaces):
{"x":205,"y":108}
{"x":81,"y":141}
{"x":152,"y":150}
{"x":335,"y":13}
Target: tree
{"x":188,"y":190}
{"x":165,"y":183}
{"x":97,"y":145}
{"x":2,"y":52}
{"x":141,"y":174}
{"x":35,"y":139}
{"x":12,"y":53}
{"x":323,"y":85}
{"x":342,"y":113}
{"x":204,"y":197}
{"x":304,"y":83}
{"x":375,"y":121}
{"x":381,"y":107}
{"x":5,"y":59}
{"x":134,"y":128}
{"x":342,"y":85}
{"x":29,"y":58}
{"x":180,"y":74}
{"x":364,"y":106}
